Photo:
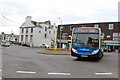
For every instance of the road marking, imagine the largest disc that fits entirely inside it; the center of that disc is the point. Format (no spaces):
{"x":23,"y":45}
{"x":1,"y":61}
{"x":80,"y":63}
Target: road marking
{"x":103,"y":73}
{"x":0,"y":70}
{"x":52,"y":73}
{"x":26,"y":72}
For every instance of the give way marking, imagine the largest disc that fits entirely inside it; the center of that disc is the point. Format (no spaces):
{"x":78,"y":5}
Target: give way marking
{"x":103,"y":73}
{"x":52,"y":73}
{"x":26,"y":72}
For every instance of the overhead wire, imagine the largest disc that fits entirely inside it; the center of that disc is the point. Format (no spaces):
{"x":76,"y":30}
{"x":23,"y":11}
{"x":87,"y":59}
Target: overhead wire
{"x":6,"y":20}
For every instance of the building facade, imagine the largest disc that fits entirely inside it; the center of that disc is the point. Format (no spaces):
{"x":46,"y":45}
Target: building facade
{"x":110,"y":30}
{"x":36,"y":34}
{"x":0,"y":37}
{"x":9,"y":37}
{"x":119,"y":11}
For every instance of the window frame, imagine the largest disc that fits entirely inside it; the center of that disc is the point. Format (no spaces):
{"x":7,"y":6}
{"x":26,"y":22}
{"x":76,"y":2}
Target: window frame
{"x":111,"y":26}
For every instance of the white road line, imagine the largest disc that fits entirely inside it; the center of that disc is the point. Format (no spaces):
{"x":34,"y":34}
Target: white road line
{"x":26,"y":72}
{"x":52,"y":73}
{"x":102,"y":73}
{"x":0,"y":70}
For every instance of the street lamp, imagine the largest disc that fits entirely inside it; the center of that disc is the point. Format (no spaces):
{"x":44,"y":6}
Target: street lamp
{"x":60,"y":31}
{"x":55,"y":44}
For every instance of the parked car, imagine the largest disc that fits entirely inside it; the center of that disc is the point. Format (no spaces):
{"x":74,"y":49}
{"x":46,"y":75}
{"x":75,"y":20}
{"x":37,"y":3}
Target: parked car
{"x":27,"y":45}
{"x":6,"y":44}
{"x":107,"y":50}
{"x":14,"y":43}
{"x":44,"y":46}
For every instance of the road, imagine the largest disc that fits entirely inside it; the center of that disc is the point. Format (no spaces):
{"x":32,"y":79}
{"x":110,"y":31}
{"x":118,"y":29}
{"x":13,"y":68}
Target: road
{"x":24,"y":62}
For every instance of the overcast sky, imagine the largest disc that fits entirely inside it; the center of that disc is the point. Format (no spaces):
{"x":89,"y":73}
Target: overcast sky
{"x":13,"y":12}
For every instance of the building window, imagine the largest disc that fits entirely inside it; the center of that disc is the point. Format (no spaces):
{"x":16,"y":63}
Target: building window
{"x":64,"y":36}
{"x":26,"y":30}
{"x":22,"y":30}
{"x":108,"y":36}
{"x":111,"y":26}
{"x":45,"y":28}
{"x":96,"y":25}
{"x":21,"y":37}
{"x":45,"y":35}
{"x":31,"y":30}
{"x":39,"y":31}
{"x":31,"y":38}
{"x":49,"y":32}
{"x":26,"y":38}
{"x":83,"y":25}
{"x":116,"y":36}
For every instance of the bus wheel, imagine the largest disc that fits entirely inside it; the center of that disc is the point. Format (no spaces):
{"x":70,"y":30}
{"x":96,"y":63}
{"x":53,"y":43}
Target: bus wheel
{"x":100,"y":57}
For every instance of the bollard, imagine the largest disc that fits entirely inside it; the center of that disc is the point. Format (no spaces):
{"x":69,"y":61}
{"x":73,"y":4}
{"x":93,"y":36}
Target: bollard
{"x":55,"y":46}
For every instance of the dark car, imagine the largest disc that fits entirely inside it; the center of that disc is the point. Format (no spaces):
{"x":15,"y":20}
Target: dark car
{"x":107,"y":50}
{"x":44,"y":46}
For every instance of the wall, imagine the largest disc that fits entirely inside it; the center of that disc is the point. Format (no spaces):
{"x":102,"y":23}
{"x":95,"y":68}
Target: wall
{"x":39,"y":38}
{"x":103,"y":25}
{"x":119,"y":11}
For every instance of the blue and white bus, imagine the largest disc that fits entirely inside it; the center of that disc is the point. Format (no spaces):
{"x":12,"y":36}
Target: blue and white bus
{"x":86,"y":43}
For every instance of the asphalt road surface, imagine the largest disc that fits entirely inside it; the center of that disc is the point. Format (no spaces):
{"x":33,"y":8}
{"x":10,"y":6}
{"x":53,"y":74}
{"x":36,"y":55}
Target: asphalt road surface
{"x":24,"y":62}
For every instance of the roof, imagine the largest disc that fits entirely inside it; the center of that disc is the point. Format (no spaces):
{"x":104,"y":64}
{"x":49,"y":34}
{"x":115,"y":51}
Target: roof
{"x":50,"y":27}
{"x":37,"y":24}
{"x":33,"y":24}
{"x":87,"y":23}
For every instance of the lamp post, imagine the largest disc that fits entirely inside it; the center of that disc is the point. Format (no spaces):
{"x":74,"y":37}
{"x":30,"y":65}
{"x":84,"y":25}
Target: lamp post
{"x":70,"y":44}
{"x":60,"y":31}
{"x":55,"y":44}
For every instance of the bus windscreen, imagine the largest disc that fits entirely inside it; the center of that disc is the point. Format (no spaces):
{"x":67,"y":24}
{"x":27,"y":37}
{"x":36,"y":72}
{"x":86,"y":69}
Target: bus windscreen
{"x":86,"y":40}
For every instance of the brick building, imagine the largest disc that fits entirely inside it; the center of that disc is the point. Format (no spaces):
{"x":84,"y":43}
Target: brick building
{"x":110,"y":30}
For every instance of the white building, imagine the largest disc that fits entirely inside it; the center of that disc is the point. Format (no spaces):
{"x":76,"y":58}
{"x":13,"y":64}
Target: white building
{"x":36,"y":34}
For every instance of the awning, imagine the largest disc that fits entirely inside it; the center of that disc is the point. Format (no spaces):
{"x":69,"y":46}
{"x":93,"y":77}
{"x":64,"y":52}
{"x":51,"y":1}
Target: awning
{"x":112,"y":44}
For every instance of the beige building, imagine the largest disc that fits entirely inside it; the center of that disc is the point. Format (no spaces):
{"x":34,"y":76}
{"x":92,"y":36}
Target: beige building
{"x":9,"y":37}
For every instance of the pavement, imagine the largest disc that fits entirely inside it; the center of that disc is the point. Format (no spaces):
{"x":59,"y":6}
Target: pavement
{"x":55,"y":52}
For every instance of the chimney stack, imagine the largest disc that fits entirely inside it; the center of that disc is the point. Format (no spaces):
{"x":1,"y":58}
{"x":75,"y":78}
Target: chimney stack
{"x":28,"y":18}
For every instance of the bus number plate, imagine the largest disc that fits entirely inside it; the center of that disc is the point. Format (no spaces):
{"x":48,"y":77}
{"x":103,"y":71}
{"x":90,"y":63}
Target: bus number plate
{"x":84,"y":56}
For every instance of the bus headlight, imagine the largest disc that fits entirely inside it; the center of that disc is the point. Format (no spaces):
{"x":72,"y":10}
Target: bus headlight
{"x":95,"y":51}
{"x":74,"y":50}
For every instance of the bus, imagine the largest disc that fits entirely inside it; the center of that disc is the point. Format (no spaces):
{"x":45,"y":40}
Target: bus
{"x":86,"y":43}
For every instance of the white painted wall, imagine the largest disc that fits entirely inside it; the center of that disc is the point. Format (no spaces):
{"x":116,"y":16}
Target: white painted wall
{"x":38,"y":37}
